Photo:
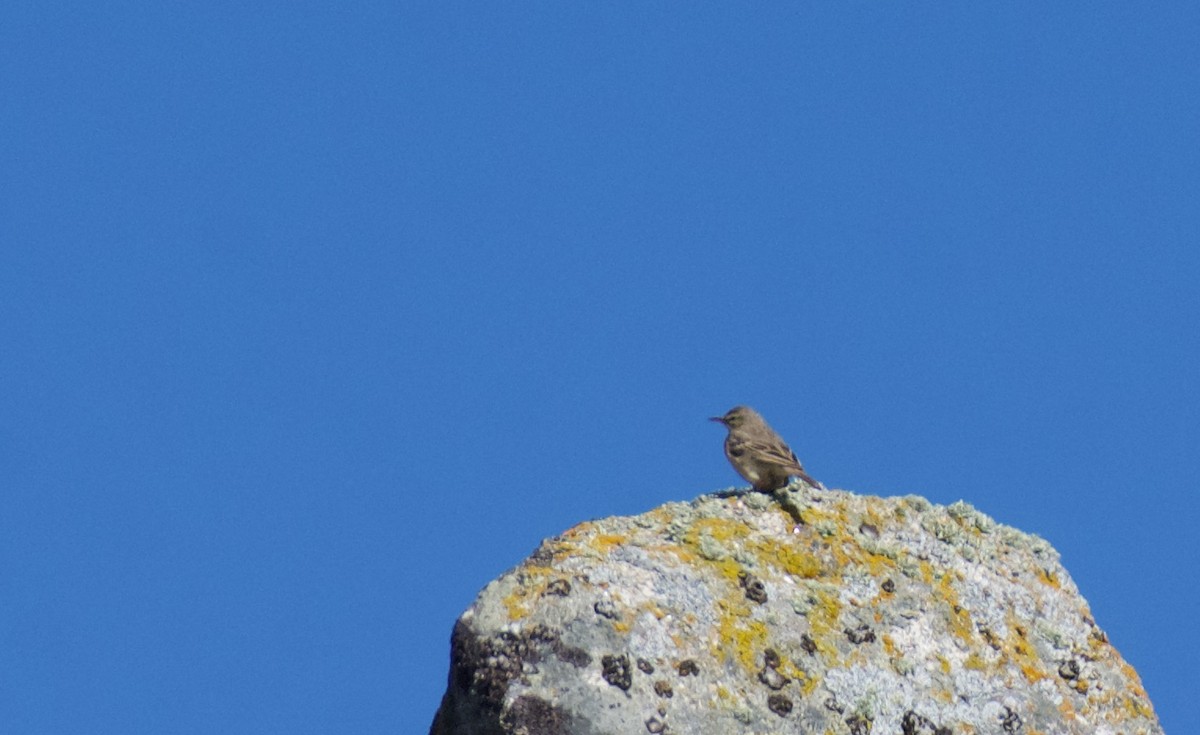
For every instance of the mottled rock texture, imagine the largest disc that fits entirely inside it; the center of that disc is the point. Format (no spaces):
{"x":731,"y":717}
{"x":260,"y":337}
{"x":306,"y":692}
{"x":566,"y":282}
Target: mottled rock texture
{"x":809,"y":611}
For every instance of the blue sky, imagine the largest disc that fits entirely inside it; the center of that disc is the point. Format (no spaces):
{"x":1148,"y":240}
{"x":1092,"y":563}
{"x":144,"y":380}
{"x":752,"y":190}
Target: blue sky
{"x":317,"y":318}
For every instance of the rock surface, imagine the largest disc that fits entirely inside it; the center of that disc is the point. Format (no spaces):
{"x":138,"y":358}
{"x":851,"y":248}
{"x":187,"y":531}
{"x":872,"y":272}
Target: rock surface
{"x":810,"y":611}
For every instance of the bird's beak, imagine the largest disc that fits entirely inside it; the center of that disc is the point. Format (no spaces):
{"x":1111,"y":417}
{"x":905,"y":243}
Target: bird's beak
{"x":718,"y":419}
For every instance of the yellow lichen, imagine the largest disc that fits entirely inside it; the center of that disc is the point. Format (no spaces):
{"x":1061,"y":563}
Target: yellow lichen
{"x":738,"y":636}
{"x":1131,"y":676}
{"x":720,"y":529}
{"x":788,"y":557}
{"x":605,"y":542}
{"x":957,"y":618}
{"x":823,"y":621}
{"x":926,"y":572}
{"x":788,"y":668}
{"x":1048,"y":577}
{"x":889,"y":646}
{"x":1020,"y":652}
{"x":1138,"y":707}
{"x":531,"y":582}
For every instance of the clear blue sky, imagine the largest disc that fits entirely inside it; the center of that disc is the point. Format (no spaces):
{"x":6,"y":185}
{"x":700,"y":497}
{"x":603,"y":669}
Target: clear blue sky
{"x":317,"y":317}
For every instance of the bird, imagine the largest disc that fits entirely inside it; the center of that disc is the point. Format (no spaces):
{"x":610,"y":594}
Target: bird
{"x":757,"y":453}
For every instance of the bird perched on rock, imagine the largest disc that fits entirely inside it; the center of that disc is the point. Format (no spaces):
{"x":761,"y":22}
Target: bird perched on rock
{"x":757,"y":453}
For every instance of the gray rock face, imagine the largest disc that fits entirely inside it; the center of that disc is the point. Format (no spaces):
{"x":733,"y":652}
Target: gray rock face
{"x":806,"y":612}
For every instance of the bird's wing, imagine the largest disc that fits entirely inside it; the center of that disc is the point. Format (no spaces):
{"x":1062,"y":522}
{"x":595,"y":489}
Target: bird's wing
{"x":776,"y":453}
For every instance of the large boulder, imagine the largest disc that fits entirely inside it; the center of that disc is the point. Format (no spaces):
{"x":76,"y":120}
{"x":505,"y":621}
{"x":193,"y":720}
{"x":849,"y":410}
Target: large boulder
{"x":809,"y":611}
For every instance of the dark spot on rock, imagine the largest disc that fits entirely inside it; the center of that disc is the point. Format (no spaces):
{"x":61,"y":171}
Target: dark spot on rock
{"x":655,"y":725}
{"x":1010,"y":721}
{"x":577,"y":657}
{"x":688,"y":667}
{"x":858,"y":725}
{"x":615,"y":670}
{"x":771,"y":658}
{"x":772,"y":678}
{"x":1069,"y":669}
{"x":869,"y":529}
{"x":807,"y":644}
{"x":861,"y":634}
{"x":559,"y":588}
{"x":483,"y":667}
{"x":543,"y":555}
{"x":645,"y":666}
{"x":768,"y":674}
{"x":542,"y":634}
{"x":779,"y":704}
{"x":535,"y":716}
{"x":832,"y":705}
{"x":914,"y":724}
{"x":606,"y":608}
{"x":889,"y":586}
{"x":753,"y":586}
{"x":990,"y":637}
{"x":663,"y":689}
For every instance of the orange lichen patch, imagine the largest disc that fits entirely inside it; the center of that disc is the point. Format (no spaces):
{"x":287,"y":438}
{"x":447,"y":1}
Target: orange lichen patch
{"x":889,"y":646}
{"x":1137,"y":707}
{"x":662,"y":515}
{"x":606,"y":542}
{"x":579,"y":530}
{"x":975,"y":662}
{"x":563,"y":547}
{"x":1048,"y":577}
{"x":1135,"y":681}
{"x":517,"y":602}
{"x":515,"y":605}
{"x":1018,"y":650}
{"x":957,"y":617}
{"x":685,"y":554}
{"x":532,"y":584}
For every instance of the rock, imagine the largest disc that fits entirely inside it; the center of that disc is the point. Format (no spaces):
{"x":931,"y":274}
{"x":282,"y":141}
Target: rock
{"x":810,"y":612}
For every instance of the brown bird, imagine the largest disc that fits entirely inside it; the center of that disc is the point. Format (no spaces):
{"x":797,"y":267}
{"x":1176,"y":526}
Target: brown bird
{"x":757,"y":453}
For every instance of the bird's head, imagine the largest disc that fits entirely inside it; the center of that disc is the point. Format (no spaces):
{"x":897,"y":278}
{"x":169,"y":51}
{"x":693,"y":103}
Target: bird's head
{"x":736,"y":417}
